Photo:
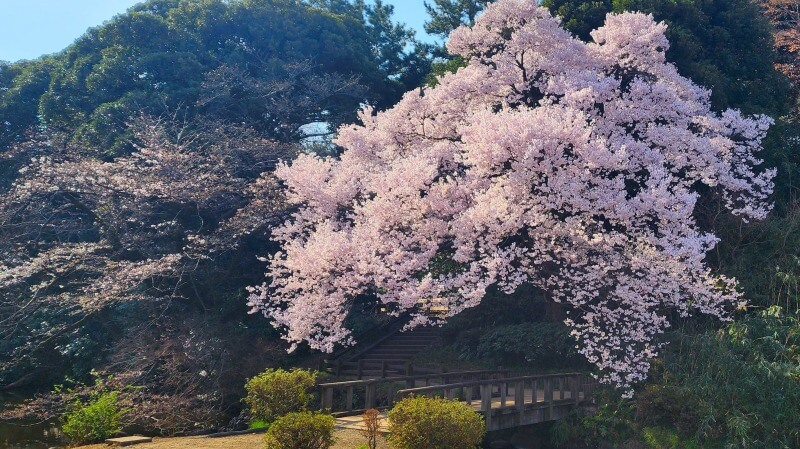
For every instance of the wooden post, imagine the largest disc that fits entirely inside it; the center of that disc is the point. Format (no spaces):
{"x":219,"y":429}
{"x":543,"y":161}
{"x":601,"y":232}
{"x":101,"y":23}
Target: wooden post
{"x":557,"y":384}
{"x":576,"y":388}
{"x":468,"y":395}
{"x":350,"y":398}
{"x":370,"y":399}
{"x":548,"y":398}
{"x":383,"y":369}
{"x":503,"y":394}
{"x":409,"y":370}
{"x":519,"y":399}
{"x":327,"y":398}
{"x":392,"y":393}
{"x":486,"y":404}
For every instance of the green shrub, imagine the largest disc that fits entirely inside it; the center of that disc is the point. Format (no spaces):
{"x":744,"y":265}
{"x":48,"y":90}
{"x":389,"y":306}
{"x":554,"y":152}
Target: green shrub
{"x":275,"y":393}
{"x":736,"y":388}
{"x":433,"y":423}
{"x":541,"y":344}
{"x":301,"y":430}
{"x":93,"y":421}
{"x":661,"y":438}
{"x":258,"y":424}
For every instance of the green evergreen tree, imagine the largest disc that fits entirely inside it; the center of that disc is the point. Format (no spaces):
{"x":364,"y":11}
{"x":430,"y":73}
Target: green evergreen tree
{"x":158,"y":57}
{"x":725,"y":45}
{"x":447,"y":15}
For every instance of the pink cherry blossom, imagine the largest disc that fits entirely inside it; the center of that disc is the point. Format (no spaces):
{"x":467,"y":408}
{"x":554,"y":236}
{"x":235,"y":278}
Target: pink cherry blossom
{"x":573,"y":167}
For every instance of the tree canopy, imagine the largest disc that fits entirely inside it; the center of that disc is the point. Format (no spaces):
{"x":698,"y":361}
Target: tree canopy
{"x":447,"y":15}
{"x":721,"y":45}
{"x":165,"y":54}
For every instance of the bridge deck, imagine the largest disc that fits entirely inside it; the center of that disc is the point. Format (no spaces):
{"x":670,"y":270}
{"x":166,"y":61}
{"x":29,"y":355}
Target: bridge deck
{"x":541,"y":397}
{"x":356,"y":423}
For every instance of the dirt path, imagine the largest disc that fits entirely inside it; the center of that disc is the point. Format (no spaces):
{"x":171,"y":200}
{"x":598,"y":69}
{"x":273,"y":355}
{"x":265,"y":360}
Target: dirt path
{"x":345,"y":439}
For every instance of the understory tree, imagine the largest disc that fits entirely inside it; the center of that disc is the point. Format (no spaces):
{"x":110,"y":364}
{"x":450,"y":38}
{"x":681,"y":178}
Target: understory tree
{"x":131,"y":267}
{"x":573,"y":167}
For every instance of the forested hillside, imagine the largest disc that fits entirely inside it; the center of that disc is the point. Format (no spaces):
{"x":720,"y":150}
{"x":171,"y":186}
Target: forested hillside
{"x":138,"y":197}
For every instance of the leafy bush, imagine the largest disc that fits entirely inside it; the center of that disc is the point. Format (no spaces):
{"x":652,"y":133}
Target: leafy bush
{"x":302,"y":430}
{"x":741,"y":383}
{"x":735,"y":388}
{"x":434,"y":423}
{"x":93,"y":421}
{"x":662,"y":438}
{"x":276,"y":392}
{"x":258,"y":424}
{"x":546,"y":344}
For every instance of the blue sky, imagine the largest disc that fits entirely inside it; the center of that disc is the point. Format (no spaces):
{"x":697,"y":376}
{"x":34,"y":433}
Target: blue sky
{"x":31,"y":28}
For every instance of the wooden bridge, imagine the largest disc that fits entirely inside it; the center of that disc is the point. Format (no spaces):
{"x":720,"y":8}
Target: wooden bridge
{"x":505,"y":400}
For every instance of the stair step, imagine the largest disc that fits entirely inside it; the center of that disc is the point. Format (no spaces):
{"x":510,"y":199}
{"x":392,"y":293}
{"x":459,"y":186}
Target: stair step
{"x":413,"y":338}
{"x":395,"y":351}
{"x":411,"y":347}
{"x":406,"y":348}
{"x":416,"y":348}
{"x":387,"y":358}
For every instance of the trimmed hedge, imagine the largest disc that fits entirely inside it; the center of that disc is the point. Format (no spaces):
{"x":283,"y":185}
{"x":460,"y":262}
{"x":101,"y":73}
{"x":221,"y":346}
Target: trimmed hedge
{"x":275,"y":393}
{"x":434,"y":423}
{"x":303,"y":430}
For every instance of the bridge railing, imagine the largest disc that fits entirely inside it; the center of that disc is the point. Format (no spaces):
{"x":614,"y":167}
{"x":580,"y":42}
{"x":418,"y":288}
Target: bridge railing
{"x":508,"y":402}
{"x":356,"y":396}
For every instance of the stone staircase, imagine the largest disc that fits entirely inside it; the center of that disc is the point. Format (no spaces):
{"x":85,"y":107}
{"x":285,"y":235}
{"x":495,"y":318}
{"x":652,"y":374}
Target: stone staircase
{"x":386,"y":356}
{"x":402,"y":346}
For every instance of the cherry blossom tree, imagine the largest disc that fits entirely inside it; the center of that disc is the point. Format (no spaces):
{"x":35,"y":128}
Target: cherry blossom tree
{"x":570,"y":166}
{"x":82,"y":238}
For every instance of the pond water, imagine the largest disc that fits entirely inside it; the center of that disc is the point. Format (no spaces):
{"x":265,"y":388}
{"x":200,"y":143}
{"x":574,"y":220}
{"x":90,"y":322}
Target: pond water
{"x":16,"y":435}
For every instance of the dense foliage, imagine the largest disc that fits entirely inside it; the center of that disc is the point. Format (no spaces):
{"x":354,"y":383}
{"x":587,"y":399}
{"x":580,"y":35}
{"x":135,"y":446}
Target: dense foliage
{"x":447,"y":15}
{"x":225,"y":59}
{"x":722,"y":45}
{"x":434,"y":423}
{"x":94,"y":421}
{"x":733,"y":388}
